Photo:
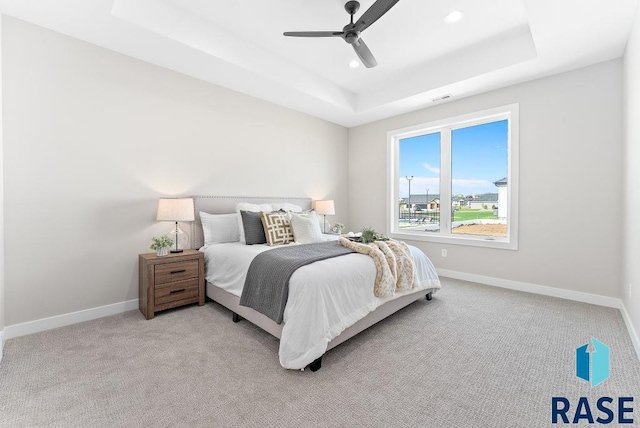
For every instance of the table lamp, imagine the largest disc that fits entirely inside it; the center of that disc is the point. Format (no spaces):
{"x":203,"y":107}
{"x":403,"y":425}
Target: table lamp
{"x":176,"y":209}
{"x":325,"y":208}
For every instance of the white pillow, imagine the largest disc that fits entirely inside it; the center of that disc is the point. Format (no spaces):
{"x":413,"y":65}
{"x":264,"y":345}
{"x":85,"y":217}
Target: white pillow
{"x":306,"y":229}
{"x":315,"y":215}
{"x":285,"y":206}
{"x":219,"y":228}
{"x":246,"y":206}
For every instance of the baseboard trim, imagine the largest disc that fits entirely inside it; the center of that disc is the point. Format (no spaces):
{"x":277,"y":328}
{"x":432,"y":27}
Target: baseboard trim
{"x":578,"y":296}
{"x":632,"y":331}
{"x":44,"y":324}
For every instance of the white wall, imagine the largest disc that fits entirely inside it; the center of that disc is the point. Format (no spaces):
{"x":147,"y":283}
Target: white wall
{"x":1,"y":211}
{"x":631,"y":279}
{"x":92,"y":138}
{"x":570,"y":153}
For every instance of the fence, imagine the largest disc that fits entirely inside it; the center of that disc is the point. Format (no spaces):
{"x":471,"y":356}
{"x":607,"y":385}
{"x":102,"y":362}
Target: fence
{"x":421,"y":217}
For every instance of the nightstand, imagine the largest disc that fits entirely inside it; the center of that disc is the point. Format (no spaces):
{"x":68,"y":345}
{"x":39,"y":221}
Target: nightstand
{"x":170,"y":281}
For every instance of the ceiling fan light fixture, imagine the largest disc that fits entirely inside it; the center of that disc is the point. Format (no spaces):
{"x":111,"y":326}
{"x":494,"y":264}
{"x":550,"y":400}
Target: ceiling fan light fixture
{"x":453,"y":16}
{"x":354,"y":64}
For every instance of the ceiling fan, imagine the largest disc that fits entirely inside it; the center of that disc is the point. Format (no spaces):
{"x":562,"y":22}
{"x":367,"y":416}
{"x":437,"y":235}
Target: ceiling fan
{"x":351,"y":32}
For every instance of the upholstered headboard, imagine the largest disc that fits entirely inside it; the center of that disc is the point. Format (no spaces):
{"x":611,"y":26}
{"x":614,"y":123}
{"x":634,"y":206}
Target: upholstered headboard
{"x":227,"y":205}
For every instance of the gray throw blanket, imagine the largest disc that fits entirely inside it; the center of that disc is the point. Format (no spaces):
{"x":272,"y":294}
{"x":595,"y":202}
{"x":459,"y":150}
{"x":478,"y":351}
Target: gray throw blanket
{"x":266,"y":288}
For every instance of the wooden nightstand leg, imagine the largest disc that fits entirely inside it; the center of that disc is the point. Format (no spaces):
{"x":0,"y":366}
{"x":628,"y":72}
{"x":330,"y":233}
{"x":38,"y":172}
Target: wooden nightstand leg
{"x":151,"y":296}
{"x":201,"y":295}
{"x":150,"y":311}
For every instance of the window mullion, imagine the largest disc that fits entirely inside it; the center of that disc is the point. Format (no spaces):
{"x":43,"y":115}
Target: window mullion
{"x":393,"y":191}
{"x":445,"y":182}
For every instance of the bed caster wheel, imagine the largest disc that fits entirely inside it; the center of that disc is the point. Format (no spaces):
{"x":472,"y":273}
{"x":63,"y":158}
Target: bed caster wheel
{"x":429,"y":296}
{"x":316,"y":365}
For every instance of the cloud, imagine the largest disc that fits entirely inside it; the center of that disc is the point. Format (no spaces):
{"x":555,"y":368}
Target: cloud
{"x":419,"y":185}
{"x":471,"y":183}
{"x":431,"y":168}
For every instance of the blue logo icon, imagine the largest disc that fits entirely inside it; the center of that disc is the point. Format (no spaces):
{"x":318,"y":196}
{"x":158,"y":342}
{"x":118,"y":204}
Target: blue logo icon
{"x":593,"y":366}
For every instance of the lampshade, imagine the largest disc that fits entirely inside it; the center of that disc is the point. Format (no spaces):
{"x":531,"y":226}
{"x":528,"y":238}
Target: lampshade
{"x":325,"y":207}
{"x":178,"y":209}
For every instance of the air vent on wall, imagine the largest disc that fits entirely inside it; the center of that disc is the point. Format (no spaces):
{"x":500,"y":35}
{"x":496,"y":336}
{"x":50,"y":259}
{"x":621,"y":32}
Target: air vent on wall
{"x":444,"y":97}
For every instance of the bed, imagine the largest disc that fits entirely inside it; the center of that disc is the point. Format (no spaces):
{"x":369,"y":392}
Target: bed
{"x":329,"y":301}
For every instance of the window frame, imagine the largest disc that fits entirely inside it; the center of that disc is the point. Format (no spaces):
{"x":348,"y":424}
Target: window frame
{"x":445,"y":126}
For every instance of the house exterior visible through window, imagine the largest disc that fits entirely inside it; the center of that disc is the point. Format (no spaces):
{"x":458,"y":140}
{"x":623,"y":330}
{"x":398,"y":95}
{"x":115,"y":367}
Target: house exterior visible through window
{"x":456,"y":180}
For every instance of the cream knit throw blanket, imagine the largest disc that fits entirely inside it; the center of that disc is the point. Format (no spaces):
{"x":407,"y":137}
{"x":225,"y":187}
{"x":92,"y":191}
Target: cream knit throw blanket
{"x":394,"y":265}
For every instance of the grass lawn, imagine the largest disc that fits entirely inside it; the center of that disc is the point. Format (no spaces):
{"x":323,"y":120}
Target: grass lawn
{"x":472,"y":215}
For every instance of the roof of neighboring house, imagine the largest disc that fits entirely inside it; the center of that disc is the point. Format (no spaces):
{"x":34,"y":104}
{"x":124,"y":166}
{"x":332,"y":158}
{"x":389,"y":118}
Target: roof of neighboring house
{"x":501,"y":182}
{"x":484,"y":197}
{"x":422,"y":199}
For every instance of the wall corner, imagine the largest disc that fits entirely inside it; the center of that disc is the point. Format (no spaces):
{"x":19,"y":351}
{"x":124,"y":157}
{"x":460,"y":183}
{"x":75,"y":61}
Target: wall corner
{"x":2,"y":276}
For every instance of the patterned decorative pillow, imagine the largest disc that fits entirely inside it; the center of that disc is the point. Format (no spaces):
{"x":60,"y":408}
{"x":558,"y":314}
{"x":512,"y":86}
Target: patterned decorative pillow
{"x":277,"y":227}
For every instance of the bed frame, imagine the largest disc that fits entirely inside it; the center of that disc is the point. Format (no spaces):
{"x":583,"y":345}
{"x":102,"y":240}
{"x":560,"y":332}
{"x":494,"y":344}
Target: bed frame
{"x":226,"y":205}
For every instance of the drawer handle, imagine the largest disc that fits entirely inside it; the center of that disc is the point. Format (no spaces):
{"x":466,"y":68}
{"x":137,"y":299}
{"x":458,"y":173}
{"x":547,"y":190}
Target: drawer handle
{"x":178,"y":271}
{"x":177,"y":291}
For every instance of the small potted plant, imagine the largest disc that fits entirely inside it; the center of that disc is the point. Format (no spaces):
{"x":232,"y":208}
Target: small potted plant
{"x":368,"y":235}
{"x":338,"y":228}
{"x":161,"y":245}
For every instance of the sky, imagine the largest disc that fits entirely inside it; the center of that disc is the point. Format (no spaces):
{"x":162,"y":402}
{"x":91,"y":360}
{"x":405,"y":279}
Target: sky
{"x":478,"y":158}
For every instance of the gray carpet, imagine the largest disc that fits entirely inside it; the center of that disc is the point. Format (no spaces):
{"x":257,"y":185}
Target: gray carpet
{"x":474,"y":356}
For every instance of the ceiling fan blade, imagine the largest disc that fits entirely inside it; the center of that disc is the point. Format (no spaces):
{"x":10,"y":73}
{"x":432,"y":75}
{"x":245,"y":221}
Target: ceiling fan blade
{"x":314,"y":33}
{"x":364,"y":53}
{"x":374,"y":13}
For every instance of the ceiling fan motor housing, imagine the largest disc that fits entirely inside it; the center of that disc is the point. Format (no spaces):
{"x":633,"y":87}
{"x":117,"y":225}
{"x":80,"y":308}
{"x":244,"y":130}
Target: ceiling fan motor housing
{"x":351,"y":37}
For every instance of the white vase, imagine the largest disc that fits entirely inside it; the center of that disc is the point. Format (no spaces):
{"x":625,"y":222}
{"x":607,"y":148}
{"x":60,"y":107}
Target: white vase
{"x":162,"y":251}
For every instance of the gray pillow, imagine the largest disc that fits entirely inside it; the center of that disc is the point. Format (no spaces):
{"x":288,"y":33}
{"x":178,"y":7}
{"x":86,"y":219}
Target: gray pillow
{"x":253,"y":229}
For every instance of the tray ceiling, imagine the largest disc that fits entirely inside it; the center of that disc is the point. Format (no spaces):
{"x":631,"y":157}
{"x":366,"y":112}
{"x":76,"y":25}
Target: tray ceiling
{"x":240,"y":45}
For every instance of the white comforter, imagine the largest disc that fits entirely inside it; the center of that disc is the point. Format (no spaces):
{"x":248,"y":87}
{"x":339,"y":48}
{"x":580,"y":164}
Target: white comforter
{"x":325,"y":297}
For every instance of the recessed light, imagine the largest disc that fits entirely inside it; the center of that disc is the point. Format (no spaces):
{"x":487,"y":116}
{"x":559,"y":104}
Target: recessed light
{"x":354,"y":64}
{"x":453,"y":16}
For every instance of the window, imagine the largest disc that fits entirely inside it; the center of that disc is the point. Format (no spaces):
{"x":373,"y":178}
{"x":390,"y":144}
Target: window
{"x":456,"y":180}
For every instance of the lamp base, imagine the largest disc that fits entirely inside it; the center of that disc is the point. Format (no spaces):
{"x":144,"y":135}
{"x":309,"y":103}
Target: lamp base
{"x":180,"y":239}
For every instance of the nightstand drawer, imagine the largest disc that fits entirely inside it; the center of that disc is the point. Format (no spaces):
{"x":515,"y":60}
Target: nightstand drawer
{"x":171,"y":272}
{"x":177,"y":291}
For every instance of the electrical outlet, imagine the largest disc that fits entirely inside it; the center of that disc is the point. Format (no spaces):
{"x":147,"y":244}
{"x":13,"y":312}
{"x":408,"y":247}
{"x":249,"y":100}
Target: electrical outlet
{"x":444,"y":253}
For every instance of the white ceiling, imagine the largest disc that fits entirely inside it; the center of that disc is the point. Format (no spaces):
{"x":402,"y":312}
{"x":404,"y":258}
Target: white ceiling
{"x":239,"y":45}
